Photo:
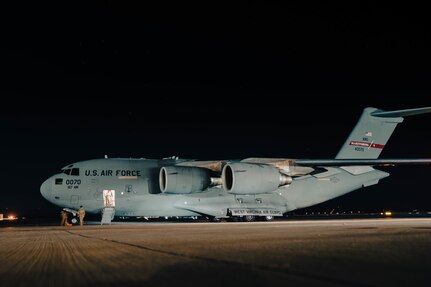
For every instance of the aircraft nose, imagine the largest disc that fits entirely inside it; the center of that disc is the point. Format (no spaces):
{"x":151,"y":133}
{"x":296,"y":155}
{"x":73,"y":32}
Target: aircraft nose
{"x":45,"y":188}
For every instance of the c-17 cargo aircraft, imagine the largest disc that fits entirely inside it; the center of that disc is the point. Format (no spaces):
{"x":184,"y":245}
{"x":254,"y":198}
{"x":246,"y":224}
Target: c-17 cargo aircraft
{"x":247,"y":189}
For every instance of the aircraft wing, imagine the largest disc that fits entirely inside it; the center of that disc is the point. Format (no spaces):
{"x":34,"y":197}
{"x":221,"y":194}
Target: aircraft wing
{"x":213,"y":165}
{"x":298,"y":167}
{"x":285,"y":165}
{"x":357,"y":162}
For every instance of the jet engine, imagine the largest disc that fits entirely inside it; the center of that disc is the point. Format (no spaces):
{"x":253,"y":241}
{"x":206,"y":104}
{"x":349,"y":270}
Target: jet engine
{"x":246,"y":178}
{"x":183,"y":179}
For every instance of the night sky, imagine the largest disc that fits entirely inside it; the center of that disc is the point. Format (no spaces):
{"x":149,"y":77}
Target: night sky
{"x":209,"y":81}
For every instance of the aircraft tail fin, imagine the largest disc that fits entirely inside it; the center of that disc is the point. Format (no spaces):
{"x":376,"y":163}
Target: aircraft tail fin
{"x":373,"y":130}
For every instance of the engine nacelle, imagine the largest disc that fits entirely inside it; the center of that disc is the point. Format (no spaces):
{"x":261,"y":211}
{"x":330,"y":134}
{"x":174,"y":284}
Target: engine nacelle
{"x":183,"y":179}
{"x":246,"y":178}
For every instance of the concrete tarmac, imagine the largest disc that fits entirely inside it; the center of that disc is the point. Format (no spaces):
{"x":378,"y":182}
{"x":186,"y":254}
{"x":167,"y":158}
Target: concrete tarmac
{"x":363,"y":252}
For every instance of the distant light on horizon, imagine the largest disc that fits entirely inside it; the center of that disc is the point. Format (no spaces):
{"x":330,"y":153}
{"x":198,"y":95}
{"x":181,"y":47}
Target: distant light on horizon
{"x":9,"y":217}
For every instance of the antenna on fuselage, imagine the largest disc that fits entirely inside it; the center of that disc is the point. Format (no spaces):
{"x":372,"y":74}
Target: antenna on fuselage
{"x":172,"y":157}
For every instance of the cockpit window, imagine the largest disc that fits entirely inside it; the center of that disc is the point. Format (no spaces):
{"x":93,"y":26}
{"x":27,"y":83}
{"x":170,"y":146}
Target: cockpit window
{"x":71,"y":171}
{"x":75,"y":171}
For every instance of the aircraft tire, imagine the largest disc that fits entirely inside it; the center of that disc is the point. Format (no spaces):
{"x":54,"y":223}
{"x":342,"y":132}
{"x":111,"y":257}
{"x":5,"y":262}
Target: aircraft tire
{"x":214,"y":219}
{"x":268,"y":218}
{"x":248,"y":218}
{"x":234,"y":219}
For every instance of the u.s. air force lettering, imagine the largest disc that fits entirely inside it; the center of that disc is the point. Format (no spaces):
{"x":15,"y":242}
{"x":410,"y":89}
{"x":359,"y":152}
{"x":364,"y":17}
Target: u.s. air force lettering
{"x":110,"y":172}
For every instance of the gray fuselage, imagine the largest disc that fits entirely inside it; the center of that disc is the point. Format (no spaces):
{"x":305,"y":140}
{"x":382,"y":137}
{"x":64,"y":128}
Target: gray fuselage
{"x":134,"y":187}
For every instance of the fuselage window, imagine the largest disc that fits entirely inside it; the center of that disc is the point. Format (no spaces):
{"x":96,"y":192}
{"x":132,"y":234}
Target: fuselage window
{"x":58,"y":181}
{"x":75,"y":171}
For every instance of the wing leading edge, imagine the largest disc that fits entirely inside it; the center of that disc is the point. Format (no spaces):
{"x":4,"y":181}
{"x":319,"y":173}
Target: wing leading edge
{"x":353,"y":162}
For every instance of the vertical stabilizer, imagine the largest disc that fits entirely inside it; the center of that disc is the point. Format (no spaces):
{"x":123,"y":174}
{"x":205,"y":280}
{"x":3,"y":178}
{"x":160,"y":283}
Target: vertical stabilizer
{"x":372,"y":132}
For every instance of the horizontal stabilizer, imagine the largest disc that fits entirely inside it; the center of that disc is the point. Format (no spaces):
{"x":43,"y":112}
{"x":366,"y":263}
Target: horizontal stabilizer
{"x":401,"y":113}
{"x":353,"y":162}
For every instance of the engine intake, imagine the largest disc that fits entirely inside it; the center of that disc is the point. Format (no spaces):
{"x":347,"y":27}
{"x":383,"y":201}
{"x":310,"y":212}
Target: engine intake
{"x":183,"y":179}
{"x":245,"y":178}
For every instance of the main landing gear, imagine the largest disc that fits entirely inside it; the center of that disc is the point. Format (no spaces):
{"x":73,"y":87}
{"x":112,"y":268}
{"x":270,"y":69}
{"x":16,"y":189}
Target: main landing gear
{"x":244,"y":218}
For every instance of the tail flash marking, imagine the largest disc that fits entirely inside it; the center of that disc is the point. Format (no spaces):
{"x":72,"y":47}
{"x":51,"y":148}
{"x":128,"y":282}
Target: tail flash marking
{"x":368,"y":145}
